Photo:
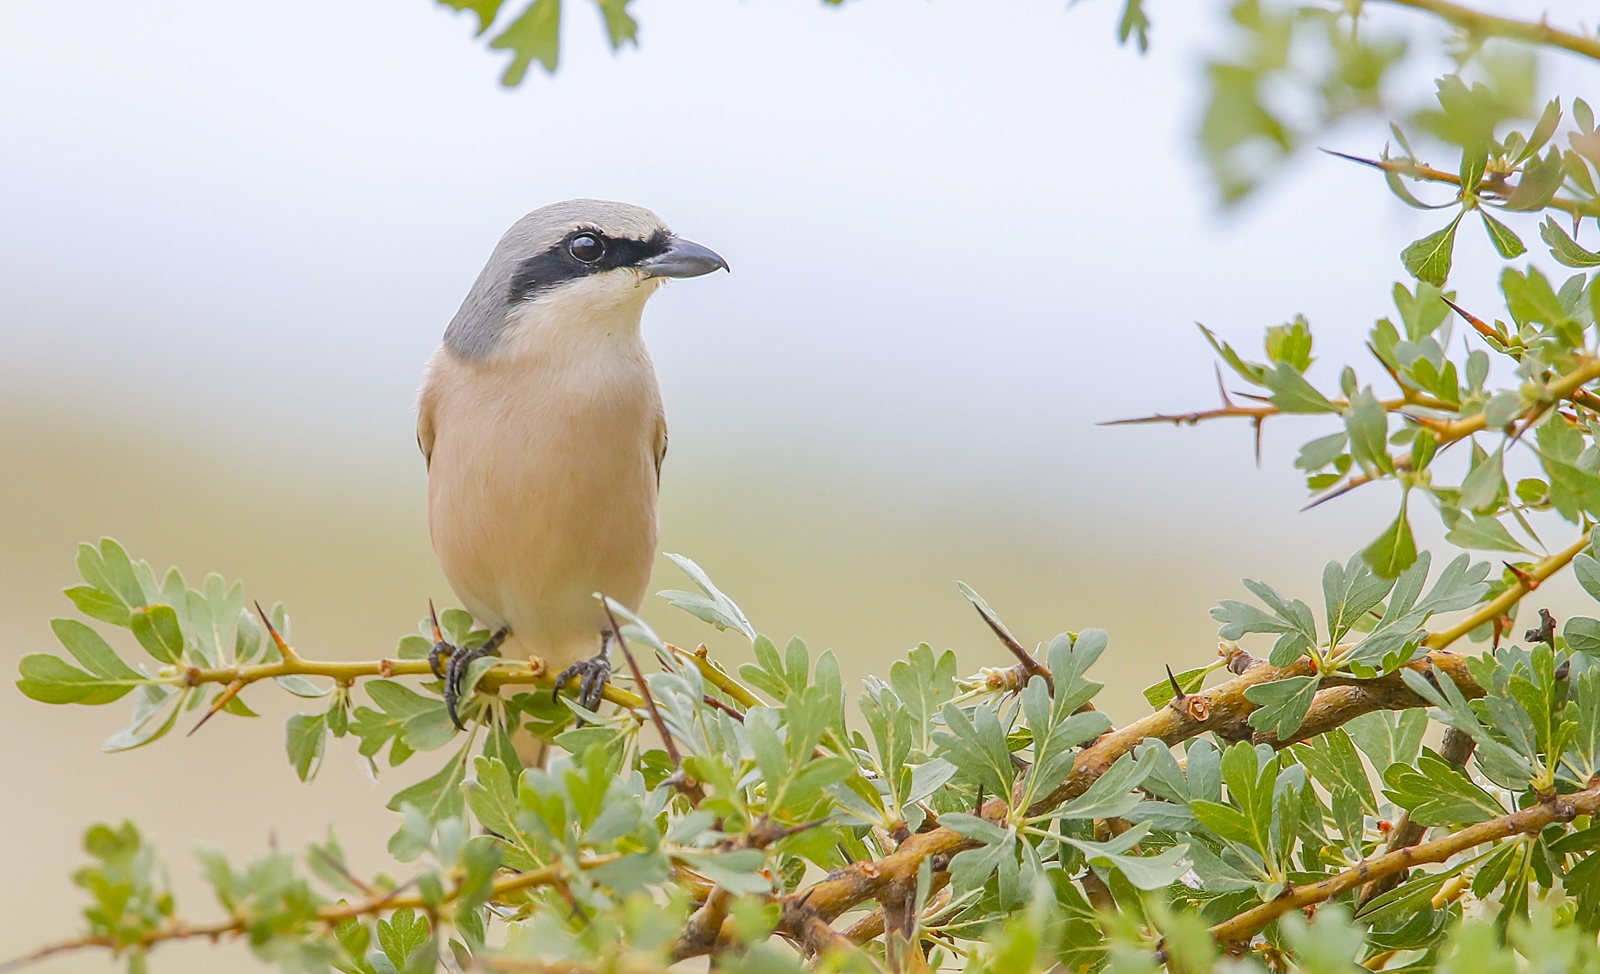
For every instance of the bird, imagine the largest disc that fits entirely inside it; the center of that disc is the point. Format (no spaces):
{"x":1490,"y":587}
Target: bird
{"x":541,"y":424}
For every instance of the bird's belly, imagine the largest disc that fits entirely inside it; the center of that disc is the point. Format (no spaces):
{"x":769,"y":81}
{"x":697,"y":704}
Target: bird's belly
{"x":531,"y":515}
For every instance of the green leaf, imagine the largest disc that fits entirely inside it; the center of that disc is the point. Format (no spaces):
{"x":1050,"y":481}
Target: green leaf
{"x":1281,"y":705}
{"x":975,"y":828}
{"x":1249,"y":371}
{"x":1333,"y":760}
{"x":1483,"y":534}
{"x":534,"y":36}
{"x":1505,"y":240}
{"x":402,"y":934}
{"x":1160,"y":694}
{"x":733,"y":871}
{"x":150,"y":702}
{"x":96,"y":604}
{"x":1587,"y":570}
{"x":436,"y":797}
{"x":1135,"y":24}
{"x":93,"y":652}
{"x":1349,"y":592}
{"x":1290,"y":344}
{"x":712,"y":606}
{"x":1111,"y":794}
{"x":485,"y":9}
{"x":976,"y":745}
{"x":1580,"y":632}
{"x":307,"y":737}
{"x":157,"y":629}
{"x":621,"y":28}
{"x":51,"y":679}
{"x":1481,"y":489}
{"x":1395,"y":549}
{"x":1438,"y":793}
{"x":1368,"y":426}
{"x":1565,"y":249}
{"x":1429,"y":259}
{"x":1291,"y":393}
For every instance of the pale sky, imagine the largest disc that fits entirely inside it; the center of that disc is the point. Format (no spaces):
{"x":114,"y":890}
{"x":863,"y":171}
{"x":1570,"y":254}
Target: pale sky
{"x":961,"y":232}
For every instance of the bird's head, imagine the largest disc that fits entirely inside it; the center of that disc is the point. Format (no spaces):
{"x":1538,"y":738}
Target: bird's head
{"x":580,"y":264}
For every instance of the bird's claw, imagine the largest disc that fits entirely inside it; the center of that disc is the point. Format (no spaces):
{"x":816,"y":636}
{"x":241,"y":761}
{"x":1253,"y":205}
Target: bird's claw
{"x":440,"y":648}
{"x":595,"y":673}
{"x":456,"y":670}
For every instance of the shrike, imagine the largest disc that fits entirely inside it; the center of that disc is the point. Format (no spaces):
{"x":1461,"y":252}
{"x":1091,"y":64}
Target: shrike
{"x":541,"y":422}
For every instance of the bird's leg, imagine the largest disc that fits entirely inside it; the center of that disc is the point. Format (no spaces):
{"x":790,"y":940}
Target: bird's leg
{"x":595,"y":672}
{"x":440,"y":647}
{"x":457,"y":671}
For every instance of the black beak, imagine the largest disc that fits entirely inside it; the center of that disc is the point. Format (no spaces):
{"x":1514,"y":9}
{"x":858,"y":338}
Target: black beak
{"x":683,"y":258}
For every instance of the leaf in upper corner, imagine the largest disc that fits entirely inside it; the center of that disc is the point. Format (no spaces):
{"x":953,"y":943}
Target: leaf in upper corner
{"x":1281,"y":705}
{"x":534,"y":36}
{"x":713,"y":606}
{"x":1565,"y":249}
{"x":1135,"y":23}
{"x":1428,"y":259}
{"x":621,"y":28}
{"x":485,"y":9}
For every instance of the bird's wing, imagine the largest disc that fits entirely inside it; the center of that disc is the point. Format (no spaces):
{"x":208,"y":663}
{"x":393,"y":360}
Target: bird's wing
{"x":661,"y":446}
{"x":425,"y":404}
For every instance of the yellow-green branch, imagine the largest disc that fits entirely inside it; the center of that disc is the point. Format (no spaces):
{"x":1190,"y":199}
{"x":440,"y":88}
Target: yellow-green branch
{"x":1502,"y":603}
{"x":1482,"y":25}
{"x":507,"y":673}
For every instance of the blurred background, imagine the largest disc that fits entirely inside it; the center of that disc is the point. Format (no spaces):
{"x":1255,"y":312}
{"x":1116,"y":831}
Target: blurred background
{"x":963,"y":233}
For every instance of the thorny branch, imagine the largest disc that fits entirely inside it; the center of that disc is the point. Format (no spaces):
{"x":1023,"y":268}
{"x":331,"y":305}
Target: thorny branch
{"x":1529,"y":821}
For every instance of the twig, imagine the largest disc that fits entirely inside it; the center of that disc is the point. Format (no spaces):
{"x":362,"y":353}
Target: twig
{"x":1501,"y":604}
{"x":221,"y":701}
{"x":1481,"y":24}
{"x":1529,"y":821}
{"x":683,"y":782}
{"x":1030,"y":666}
{"x":332,"y":914}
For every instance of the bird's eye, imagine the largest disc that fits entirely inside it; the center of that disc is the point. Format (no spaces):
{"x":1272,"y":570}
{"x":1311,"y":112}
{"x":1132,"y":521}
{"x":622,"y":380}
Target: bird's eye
{"x":587,"y":247}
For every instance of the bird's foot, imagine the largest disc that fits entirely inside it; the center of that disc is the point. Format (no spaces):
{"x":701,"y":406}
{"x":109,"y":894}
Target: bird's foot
{"x":594,"y":674}
{"x":456,"y":671}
